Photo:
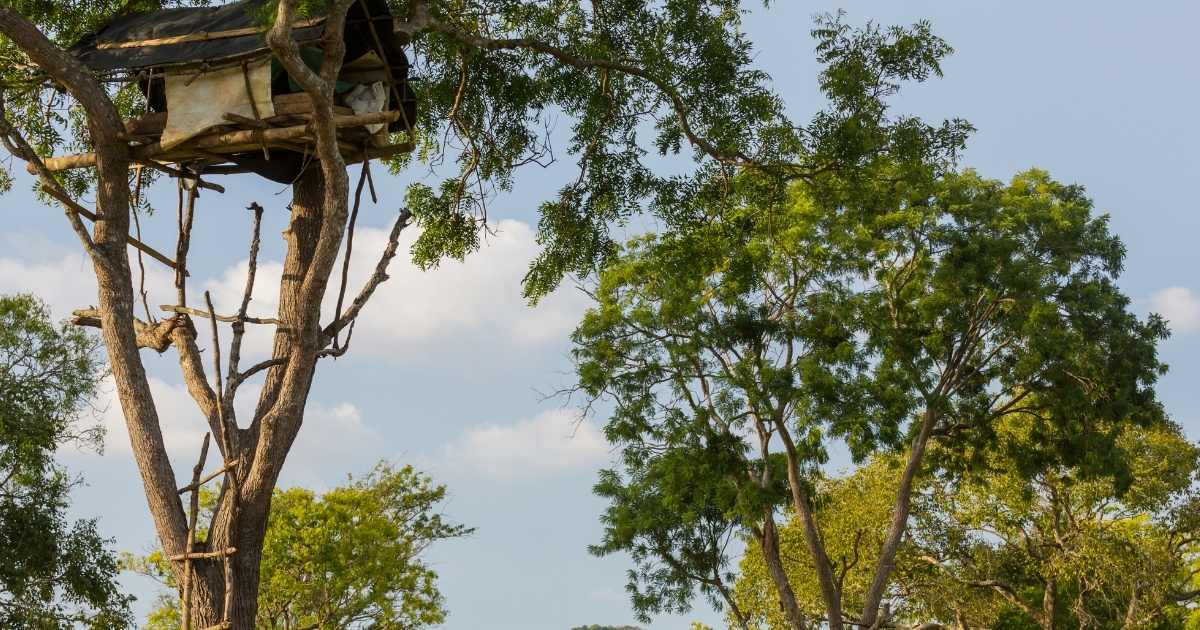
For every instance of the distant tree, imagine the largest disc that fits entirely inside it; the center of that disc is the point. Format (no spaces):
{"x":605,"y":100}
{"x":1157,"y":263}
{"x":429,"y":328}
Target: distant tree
{"x":53,"y":573}
{"x":1058,"y":549}
{"x":1012,"y":549}
{"x":737,"y":354}
{"x":348,"y":558}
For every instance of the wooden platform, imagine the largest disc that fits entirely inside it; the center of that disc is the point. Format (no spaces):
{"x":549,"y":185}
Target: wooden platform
{"x":288,"y":129}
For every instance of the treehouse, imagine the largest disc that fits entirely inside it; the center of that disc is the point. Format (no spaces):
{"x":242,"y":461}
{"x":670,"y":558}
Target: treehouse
{"x":218,"y":101}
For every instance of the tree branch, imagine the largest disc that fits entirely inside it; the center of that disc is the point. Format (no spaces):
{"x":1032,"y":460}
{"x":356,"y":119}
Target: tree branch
{"x":378,"y":277}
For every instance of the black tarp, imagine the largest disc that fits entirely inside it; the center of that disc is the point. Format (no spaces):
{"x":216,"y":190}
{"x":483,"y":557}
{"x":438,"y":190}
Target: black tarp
{"x":143,"y":27}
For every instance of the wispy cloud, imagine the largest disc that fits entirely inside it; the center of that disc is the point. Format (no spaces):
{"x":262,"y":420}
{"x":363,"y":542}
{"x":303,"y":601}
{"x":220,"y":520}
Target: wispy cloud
{"x":551,"y":442}
{"x":1180,"y":306}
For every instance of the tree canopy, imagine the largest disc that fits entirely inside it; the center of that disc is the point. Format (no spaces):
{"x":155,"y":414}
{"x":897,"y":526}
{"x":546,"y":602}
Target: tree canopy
{"x":1004,"y":549}
{"x":643,"y":87}
{"x":637,"y":81}
{"x":736,"y":354}
{"x":53,"y":573}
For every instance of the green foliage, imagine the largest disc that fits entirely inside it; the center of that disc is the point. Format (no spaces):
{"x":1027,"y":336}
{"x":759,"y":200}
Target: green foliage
{"x":349,"y":558}
{"x":853,"y":513}
{"x":1117,"y":549}
{"x":1103,"y":547}
{"x":963,"y":302}
{"x":53,"y":573}
{"x":637,"y":81}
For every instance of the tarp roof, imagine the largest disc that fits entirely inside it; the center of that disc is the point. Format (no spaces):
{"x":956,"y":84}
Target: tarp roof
{"x":197,"y":35}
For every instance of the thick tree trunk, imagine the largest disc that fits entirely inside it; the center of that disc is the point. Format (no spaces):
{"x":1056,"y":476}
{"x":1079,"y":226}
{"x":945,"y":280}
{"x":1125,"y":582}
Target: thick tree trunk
{"x":242,"y":523}
{"x":208,"y":586}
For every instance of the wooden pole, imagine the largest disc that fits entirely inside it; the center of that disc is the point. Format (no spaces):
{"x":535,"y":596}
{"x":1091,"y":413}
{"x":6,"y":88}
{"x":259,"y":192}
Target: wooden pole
{"x":91,"y":216}
{"x":185,"y":602}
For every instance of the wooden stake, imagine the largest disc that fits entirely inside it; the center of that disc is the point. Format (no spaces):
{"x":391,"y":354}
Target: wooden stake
{"x":193,"y":512}
{"x":91,"y":216}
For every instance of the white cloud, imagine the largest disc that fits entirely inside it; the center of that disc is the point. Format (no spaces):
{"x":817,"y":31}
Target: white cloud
{"x":333,"y":440}
{"x":455,"y":306}
{"x":1180,"y":306}
{"x":183,"y":427}
{"x":552,"y":442}
{"x":415,"y":311}
{"x":457,"y":301}
{"x":65,"y":284}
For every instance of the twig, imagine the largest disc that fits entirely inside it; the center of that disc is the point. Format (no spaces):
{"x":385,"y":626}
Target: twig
{"x":137,"y":225}
{"x":258,"y":367}
{"x":174,"y":172}
{"x":20,"y":147}
{"x":197,"y":484}
{"x":74,"y":207}
{"x":362,"y":179}
{"x":225,"y":436}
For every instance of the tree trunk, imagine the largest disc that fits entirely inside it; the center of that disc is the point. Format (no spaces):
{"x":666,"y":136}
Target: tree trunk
{"x":830,"y":591}
{"x":899,"y":524}
{"x":208,"y":586}
{"x":768,"y":540}
{"x":1050,"y":604}
{"x":241,"y":521}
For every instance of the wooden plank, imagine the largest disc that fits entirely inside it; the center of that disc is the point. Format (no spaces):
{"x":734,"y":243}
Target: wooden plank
{"x":199,"y":37}
{"x":301,"y":103}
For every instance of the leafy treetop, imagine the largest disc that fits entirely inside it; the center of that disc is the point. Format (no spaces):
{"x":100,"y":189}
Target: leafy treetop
{"x":638,"y":81}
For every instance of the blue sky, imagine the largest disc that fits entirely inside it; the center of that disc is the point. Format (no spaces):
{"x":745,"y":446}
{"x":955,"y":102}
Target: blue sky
{"x":448,"y":364}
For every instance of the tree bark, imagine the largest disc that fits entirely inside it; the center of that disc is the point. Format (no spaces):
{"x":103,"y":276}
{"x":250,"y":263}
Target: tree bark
{"x":241,"y":521}
{"x":1050,"y":604}
{"x":899,"y":524}
{"x":768,"y":540}
{"x":830,"y":591}
{"x":319,"y":214}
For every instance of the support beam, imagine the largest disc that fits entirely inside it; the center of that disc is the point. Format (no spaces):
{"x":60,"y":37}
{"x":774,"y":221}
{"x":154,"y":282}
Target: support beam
{"x":227,"y":142}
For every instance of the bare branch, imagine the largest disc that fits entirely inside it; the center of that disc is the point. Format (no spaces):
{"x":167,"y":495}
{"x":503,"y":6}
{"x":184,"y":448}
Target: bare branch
{"x":377,"y":278}
{"x":193,"y":512}
{"x":183,"y":310}
{"x":362,"y":179}
{"x":225,"y":434}
{"x":155,"y":336}
{"x":239,"y":323}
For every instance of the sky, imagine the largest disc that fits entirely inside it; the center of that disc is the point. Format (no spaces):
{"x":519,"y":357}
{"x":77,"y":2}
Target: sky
{"x":449,"y":367}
